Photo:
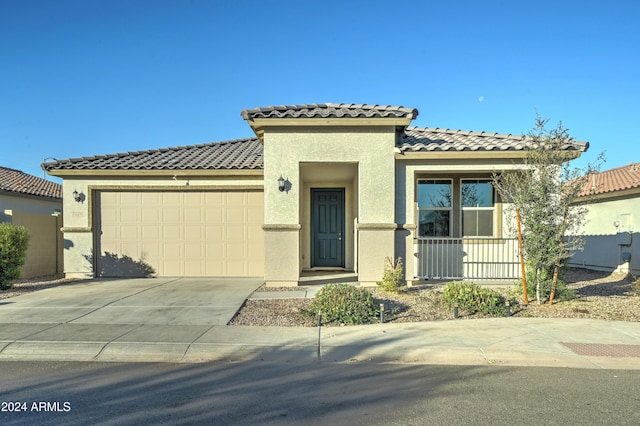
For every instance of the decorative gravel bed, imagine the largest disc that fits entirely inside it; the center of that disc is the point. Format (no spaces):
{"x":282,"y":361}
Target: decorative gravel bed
{"x":599,"y":295}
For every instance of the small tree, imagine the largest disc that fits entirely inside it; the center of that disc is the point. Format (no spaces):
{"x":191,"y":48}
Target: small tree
{"x":545,"y":193}
{"x":14,"y":241}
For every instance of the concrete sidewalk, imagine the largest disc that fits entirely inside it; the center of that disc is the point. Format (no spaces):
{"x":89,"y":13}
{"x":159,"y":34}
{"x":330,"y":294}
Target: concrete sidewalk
{"x":499,"y":341}
{"x":124,"y":321}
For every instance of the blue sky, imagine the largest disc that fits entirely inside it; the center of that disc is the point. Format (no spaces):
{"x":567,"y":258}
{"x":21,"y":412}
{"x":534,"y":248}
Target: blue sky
{"x":87,"y":77}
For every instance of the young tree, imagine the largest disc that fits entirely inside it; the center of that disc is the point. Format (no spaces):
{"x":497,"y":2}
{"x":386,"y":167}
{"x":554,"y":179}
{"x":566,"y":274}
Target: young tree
{"x":545,"y":193}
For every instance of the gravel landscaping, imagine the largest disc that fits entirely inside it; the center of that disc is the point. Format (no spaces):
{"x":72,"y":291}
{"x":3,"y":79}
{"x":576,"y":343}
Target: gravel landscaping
{"x":599,"y":295}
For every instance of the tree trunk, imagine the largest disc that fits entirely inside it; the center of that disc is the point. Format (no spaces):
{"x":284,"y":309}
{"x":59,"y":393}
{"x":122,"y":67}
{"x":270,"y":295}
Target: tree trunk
{"x":522,"y":269}
{"x":556,"y":268}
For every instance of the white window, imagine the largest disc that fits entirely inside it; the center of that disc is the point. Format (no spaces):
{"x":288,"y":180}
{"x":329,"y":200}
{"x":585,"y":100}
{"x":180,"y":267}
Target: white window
{"x":478,"y":207}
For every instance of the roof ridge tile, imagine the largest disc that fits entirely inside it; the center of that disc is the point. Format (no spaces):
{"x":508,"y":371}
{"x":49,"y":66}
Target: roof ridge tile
{"x":338,"y":110}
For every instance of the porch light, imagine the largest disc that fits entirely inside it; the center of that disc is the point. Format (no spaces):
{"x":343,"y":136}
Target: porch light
{"x":78,"y":196}
{"x":281,"y":183}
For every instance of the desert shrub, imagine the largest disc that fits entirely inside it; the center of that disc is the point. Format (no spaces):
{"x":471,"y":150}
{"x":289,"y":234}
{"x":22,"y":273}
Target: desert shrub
{"x":473,"y":298}
{"x":392,"y":276}
{"x":14,"y":241}
{"x":344,"y":304}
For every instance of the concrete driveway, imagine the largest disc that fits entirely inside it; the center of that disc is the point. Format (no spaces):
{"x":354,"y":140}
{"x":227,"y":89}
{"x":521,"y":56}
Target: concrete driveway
{"x":156,"y":301}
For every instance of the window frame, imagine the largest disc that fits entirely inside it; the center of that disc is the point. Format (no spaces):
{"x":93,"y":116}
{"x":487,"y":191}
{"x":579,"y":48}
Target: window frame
{"x":464,"y":208}
{"x":449,"y":209}
{"x":456,"y":209}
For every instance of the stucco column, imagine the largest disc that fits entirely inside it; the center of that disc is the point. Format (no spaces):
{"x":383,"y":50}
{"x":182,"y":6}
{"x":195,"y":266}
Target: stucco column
{"x":376,"y":242}
{"x":281,"y":267}
{"x":78,"y":230}
{"x":282,"y":215}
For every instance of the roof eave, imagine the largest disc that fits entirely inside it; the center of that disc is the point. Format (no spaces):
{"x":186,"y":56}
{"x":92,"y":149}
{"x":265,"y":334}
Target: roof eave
{"x":609,"y":195}
{"x":152,"y":173}
{"x":520,"y":154}
{"x":30,"y":196}
{"x":463,"y":155}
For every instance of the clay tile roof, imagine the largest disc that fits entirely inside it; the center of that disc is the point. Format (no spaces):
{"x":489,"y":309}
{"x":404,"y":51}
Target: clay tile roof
{"x":330,"y":110}
{"x":618,"y":179}
{"x":434,"y":139}
{"x":22,"y":183}
{"x":244,"y":154}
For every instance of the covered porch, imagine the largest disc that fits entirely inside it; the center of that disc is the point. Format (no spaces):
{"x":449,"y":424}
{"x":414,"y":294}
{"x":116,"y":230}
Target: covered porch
{"x":467,"y":258}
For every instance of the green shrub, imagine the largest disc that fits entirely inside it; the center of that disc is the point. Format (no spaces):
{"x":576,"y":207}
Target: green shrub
{"x":392,"y":276}
{"x":14,"y":241}
{"x":472,"y":298}
{"x":563,"y":293}
{"x":344,"y":304}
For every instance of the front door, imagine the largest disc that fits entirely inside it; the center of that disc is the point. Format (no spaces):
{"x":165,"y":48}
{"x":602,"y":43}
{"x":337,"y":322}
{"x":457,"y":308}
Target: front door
{"x":327,"y":227}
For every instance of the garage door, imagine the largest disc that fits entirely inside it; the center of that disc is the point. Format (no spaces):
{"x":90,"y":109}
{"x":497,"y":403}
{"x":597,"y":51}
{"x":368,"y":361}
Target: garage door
{"x":180,"y":233}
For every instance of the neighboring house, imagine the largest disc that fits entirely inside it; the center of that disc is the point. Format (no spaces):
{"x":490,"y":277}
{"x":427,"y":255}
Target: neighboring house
{"x":321,"y":187}
{"x":35,"y":203}
{"x":613,"y":218}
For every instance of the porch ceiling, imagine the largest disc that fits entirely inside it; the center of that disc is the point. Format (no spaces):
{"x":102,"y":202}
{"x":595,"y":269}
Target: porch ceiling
{"x":328,"y":171}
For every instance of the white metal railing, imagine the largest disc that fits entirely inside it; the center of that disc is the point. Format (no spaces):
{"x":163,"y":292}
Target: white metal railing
{"x":468,"y":258}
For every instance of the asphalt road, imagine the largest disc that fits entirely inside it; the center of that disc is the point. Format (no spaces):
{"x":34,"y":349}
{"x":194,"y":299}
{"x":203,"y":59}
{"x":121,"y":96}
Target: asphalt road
{"x":252,"y":393}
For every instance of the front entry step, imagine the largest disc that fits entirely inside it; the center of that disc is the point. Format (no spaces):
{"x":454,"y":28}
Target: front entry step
{"x":317,"y":276}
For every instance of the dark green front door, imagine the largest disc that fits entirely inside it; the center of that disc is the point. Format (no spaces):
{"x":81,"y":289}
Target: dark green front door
{"x":327,"y":227}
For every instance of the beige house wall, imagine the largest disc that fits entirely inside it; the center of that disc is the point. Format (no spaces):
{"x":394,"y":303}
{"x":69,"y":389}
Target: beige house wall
{"x":605,"y":243}
{"x":29,"y":204}
{"x":358,"y":159}
{"x":44,"y":253}
{"x":78,"y":229}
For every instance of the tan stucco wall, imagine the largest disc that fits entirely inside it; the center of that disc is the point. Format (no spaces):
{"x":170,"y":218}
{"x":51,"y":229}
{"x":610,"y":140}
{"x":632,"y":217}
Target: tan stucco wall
{"x":281,"y":269}
{"x":602,"y":250}
{"x":78,"y":221}
{"x":29,"y":204}
{"x":369,"y":194}
{"x":371,"y":148}
{"x":44,"y":253}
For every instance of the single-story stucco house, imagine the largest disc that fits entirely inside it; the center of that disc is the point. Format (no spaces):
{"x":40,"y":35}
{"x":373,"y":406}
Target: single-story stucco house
{"x":36,"y":204}
{"x":320,"y":187}
{"x":612,"y":237}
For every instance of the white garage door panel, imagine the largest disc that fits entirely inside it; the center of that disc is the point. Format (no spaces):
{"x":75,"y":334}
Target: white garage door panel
{"x":181,"y":233}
